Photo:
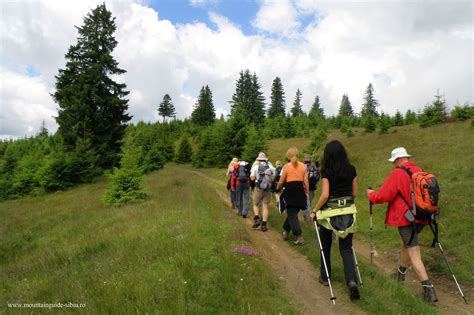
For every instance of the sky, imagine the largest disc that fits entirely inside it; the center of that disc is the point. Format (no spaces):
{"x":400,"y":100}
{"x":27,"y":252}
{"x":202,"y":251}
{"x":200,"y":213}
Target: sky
{"x":406,"y":49}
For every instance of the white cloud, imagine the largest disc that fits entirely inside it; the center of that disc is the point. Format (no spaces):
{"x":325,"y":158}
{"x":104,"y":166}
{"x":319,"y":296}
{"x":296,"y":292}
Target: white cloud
{"x":407,"y":50}
{"x":278,"y":17}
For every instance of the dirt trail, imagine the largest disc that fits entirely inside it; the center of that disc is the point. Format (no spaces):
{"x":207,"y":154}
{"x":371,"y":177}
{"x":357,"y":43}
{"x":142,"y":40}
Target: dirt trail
{"x":450,"y":300}
{"x":299,"y":277}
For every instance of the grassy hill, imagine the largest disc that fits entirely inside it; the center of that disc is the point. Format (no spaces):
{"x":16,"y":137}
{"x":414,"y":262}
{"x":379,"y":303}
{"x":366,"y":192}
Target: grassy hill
{"x":446,"y":150}
{"x":169,"y":254}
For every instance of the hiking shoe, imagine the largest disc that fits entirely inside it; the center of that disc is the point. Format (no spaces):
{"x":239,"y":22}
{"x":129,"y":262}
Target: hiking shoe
{"x":264,"y":226}
{"x":429,"y":294}
{"x":244,"y":216}
{"x":323,"y":282}
{"x":256,"y":222}
{"x":399,"y":275}
{"x":299,"y":240}
{"x":285,"y":235}
{"x":353,"y":291}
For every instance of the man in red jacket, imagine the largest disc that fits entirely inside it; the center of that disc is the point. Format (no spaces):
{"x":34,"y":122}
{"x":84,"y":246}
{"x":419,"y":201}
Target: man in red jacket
{"x":396,"y":191}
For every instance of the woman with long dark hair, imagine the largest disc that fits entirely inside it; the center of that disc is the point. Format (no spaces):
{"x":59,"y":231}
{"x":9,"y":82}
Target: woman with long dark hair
{"x":339,"y":188}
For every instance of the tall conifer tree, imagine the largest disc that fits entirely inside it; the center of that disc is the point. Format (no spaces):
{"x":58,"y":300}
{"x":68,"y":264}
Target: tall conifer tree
{"x":204,"y":113}
{"x":369,"y":107}
{"x":92,"y":106}
{"x":297,"y":109}
{"x":345,"y":109}
{"x":277,"y":99}
{"x":248,"y":98}
{"x":166,"y":108}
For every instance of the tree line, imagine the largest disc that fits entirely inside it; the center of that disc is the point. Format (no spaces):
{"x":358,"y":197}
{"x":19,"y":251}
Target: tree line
{"x":95,"y":135}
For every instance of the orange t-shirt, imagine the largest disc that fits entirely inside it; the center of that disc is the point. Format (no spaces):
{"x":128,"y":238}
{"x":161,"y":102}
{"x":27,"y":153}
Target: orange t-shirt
{"x":295,"y":173}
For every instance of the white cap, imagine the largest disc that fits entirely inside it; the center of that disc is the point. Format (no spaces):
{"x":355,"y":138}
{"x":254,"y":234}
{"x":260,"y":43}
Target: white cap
{"x":398,"y":153}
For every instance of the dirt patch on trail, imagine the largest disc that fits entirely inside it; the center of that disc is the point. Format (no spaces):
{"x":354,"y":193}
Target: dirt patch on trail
{"x":449,"y":298}
{"x":298,"y":276}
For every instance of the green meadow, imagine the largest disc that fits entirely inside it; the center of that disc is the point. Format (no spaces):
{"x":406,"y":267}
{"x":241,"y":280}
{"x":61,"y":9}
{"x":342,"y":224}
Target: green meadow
{"x":169,"y":254}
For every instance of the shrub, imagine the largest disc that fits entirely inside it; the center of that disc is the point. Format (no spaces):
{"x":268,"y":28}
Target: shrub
{"x":124,"y":187}
{"x":185,"y":152}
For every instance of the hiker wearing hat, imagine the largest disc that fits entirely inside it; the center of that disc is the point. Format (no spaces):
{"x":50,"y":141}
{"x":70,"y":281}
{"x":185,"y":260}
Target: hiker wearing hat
{"x":294,"y":178}
{"x":396,"y":191}
{"x":229,"y":173}
{"x":262,"y":173}
{"x":313,"y":178}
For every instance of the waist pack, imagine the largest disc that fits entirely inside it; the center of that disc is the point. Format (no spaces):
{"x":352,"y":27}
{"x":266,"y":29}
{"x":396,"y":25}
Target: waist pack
{"x":339,"y":215}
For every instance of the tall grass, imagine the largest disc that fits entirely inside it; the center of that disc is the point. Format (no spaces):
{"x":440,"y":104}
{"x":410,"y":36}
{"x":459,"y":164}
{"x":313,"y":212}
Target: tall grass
{"x":169,"y":254}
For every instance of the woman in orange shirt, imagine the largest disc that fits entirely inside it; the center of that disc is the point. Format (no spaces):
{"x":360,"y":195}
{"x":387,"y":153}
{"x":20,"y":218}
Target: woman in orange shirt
{"x":295,"y":180}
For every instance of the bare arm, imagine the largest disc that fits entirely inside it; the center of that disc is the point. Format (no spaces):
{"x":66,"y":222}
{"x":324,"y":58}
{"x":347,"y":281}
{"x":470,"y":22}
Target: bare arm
{"x":354,"y":187}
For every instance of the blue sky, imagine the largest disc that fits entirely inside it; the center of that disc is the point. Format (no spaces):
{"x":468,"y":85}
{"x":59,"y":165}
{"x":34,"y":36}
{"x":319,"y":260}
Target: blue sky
{"x":239,"y":12}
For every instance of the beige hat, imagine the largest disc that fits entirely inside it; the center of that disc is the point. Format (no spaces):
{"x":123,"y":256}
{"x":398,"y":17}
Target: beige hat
{"x":398,"y":153}
{"x":262,"y":157}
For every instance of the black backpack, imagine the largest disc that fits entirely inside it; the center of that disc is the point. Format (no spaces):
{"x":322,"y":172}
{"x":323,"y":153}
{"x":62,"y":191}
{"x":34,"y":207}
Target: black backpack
{"x":243,"y":172}
{"x":313,"y":176}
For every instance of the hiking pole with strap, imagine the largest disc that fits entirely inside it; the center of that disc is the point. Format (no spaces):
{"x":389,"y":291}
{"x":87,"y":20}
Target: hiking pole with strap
{"x":436,"y":241}
{"x":333,"y":298}
{"x":372,"y":246}
{"x":357,"y":267}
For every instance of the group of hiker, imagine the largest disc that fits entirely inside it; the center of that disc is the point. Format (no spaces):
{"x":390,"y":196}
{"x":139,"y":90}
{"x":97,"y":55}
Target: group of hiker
{"x":334,"y":214}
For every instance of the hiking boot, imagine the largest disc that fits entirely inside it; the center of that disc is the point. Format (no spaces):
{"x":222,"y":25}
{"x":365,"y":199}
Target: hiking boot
{"x":244,"y":216}
{"x":285,"y":235}
{"x":429,"y":294}
{"x":299,"y":240}
{"x":399,"y":275}
{"x":264,"y":226}
{"x":323,"y":282}
{"x":353,"y":291}
{"x":256,"y":222}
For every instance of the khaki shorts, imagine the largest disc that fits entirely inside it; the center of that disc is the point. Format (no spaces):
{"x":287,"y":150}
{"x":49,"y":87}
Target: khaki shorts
{"x":261,"y":195}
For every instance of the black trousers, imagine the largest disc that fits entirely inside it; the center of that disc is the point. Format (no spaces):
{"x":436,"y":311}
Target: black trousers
{"x":345,"y":248}
{"x":292,"y":223}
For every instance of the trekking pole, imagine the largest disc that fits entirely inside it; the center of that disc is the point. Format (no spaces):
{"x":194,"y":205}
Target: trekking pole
{"x":333,"y":298}
{"x":436,"y":241}
{"x":372,"y":246}
{"x":357,"y":267}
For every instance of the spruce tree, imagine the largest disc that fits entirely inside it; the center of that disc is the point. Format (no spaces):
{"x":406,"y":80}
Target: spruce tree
{"x":384,"y":123}
{"x":345,"y":109}
{"x":410,"y":117}
{"x":398,"y":119}
{"x":204,"y":113}
{"x":316,"y":108}
{"x":249,"y":99}
{"x":277,"y":99}
{"x":185,"y":151}
{"x":92,"y":106}
{"x":166,"y":108}
{"x":369,"y":107}
{"x":297,"y":109}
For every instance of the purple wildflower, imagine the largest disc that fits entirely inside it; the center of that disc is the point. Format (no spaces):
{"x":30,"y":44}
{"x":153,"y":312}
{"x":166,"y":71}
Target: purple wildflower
{"x":246,"y":250}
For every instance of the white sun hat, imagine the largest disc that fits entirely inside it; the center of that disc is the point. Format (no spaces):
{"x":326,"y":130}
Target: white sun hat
{"x":262,"y":157}
{"x":398,"y":153}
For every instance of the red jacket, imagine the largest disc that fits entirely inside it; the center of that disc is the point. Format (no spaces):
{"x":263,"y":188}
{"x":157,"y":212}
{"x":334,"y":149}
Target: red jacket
{"x":398,"y":182}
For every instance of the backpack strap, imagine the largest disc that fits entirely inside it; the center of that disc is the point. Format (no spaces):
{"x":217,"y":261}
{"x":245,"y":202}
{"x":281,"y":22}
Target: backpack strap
{"x":413,"y":224}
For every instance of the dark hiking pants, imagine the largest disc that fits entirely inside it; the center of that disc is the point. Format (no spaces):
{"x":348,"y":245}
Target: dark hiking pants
{"x":345,"y":248}
{"x":292,"y":223}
